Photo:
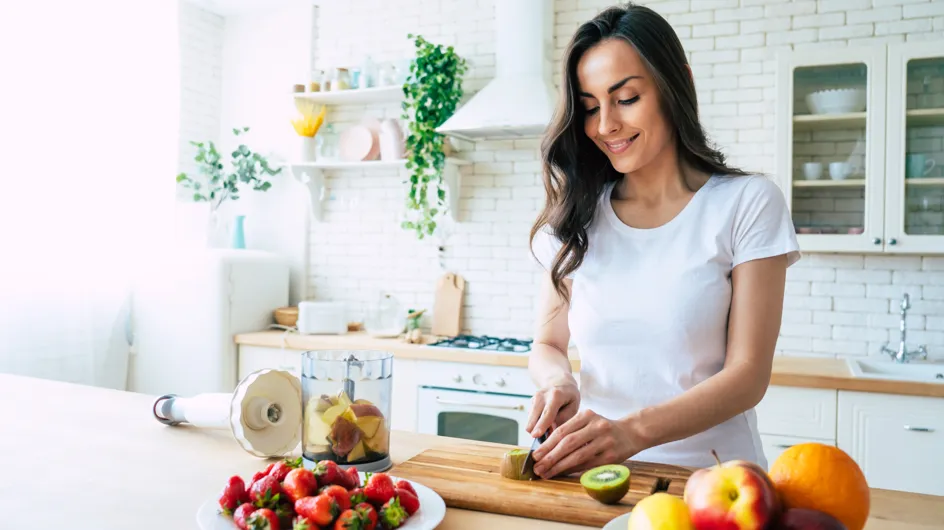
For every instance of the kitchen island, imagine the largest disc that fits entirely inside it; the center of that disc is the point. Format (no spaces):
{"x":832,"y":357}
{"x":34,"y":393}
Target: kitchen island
{"x":76,"y":456}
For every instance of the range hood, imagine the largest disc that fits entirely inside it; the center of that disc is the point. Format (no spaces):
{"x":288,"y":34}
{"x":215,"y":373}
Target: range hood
{"x":520,"y":100}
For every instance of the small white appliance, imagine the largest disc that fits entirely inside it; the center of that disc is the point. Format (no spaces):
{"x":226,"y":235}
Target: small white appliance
{"x":189,"y":306}
{"x":321,"y":318}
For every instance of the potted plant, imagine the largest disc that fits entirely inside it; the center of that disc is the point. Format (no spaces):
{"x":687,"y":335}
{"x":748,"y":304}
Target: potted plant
{"x":432,"y":91}
{"x":215,"y":185}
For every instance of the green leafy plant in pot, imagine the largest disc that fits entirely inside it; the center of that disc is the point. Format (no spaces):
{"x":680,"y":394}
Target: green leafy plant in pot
{"x":431,"y":94}
{"x":217,"y":185}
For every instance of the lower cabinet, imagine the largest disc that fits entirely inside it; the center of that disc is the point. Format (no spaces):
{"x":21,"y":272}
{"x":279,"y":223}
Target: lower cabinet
{"x":897,"y":440}
{"x":252,"y":358}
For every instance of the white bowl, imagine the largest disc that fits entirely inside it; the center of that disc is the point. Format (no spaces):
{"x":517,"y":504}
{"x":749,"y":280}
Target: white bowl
{"x":836,"y":101}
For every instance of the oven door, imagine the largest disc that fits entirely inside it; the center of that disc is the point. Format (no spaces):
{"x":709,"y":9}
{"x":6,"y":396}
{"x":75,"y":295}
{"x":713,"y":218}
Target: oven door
{"x":483,"y":416}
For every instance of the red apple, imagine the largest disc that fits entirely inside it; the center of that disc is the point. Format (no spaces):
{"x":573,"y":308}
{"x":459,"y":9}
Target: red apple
{"x":805,"y":519}
{"x":731,"y":496}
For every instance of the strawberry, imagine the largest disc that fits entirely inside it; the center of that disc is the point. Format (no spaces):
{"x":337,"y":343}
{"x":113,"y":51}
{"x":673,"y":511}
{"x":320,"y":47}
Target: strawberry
{"x":233,"y":494}
{"x":392,"y":514}
{"x":408,"y":500}
{"x":405,"y":485}
{"x":259,"y":474}
{"x":379,"y":489}
{"x":265,"y":492}
{"x":241,"y":514}
{"x":263,"y":519}
{"x":357,"y":496}
{"x":301,"y":523}
{"x":349,"y":520}
{"x":340,"y":496}
{"x":368,"y":514}
{"x":299,"y":482}
{"x":353,"y":478}
{"x":281,"y":468}
{"x":328,"y":473}
{"x":320,"y":510}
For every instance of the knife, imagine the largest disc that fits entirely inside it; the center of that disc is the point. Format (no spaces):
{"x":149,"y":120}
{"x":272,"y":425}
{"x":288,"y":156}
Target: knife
{"x":529,"y":460}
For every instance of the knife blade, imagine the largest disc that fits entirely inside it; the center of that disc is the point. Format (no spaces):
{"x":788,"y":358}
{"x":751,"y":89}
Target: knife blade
{"x":529,"y":460}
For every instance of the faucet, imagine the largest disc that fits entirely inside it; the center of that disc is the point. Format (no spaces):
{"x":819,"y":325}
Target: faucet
{"x":901,"y":355}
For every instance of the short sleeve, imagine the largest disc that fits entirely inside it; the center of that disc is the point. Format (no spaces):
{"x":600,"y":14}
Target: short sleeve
{"x":545,"y":248}
{"x":763,"y":226}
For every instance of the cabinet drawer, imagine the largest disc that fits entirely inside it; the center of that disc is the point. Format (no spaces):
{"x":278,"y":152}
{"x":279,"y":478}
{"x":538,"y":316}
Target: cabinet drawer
{"x":775,"y":445}
{"x":252,"y":358}
{"x":801,"y":412}
{"x":897,"y":440}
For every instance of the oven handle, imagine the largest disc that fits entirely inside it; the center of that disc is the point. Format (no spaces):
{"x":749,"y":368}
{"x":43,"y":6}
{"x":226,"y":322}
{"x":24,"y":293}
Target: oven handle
{"x":467,"y":404}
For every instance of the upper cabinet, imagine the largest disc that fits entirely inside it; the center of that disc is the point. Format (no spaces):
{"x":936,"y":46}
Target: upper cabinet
{"x":859,"y":147}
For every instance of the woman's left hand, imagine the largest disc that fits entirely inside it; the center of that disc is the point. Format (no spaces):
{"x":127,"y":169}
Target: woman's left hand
{"x":583,"y":442}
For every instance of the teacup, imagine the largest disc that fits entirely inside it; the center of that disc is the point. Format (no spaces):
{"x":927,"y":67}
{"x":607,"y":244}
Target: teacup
{"x":917,"y":166}
{"x":812,"y":170}
{"x":840,"y":170}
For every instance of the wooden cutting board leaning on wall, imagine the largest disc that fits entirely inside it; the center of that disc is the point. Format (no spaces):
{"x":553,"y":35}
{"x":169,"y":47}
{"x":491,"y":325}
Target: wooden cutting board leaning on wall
{"x":466,"y":475}
{"x":447,"y":309}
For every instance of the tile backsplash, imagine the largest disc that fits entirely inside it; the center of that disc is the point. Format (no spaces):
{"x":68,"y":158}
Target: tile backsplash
{"x":836,"y":305}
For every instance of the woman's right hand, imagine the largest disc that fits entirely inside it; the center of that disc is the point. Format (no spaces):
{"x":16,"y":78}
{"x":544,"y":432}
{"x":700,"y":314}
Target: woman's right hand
{"x":552,"y":405}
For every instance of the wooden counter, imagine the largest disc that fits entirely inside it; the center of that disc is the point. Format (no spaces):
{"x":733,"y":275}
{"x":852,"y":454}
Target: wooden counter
{"x":809,"y":372}
{"x":75,"y":456}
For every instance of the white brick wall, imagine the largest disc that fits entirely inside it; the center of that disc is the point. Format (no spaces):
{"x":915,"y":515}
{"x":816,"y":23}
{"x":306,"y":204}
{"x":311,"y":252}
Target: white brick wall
{"x":836,"y":305}
{"x":201,"y":59}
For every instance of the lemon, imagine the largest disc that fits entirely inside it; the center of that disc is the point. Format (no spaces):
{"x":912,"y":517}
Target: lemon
{"x":660,"y":511}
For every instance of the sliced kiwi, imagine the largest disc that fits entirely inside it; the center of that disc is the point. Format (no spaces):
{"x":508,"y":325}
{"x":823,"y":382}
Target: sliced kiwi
{"x":511,"y":465}
{"x":607,"y":484}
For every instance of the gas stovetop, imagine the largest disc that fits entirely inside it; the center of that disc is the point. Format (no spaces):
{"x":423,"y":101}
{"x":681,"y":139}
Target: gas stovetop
{"x":485,"y":342}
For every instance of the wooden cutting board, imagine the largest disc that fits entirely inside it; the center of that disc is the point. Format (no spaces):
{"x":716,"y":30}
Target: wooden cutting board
{"x":447,"y":310}
{"x":466,"y":476}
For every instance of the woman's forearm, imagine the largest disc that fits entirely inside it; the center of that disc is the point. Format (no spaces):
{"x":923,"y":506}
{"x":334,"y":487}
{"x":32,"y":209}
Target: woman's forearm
{"x":709,"y":403}
{"x":549,"y":366}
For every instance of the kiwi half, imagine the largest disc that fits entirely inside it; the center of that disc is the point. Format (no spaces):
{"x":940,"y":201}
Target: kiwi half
{"x":607,"y":484}
{"x":511,"y":465}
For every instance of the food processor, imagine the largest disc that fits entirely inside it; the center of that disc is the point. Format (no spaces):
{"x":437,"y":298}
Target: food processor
{"x":346,"y":418}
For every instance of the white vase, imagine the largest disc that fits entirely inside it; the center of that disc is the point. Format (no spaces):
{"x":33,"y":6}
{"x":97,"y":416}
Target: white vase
{"x":307,"y":149}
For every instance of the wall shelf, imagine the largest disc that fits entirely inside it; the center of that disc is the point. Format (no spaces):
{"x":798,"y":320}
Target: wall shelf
{"x":312,"y":175}
{"x":848,"y":183}
{"x":354,"y":96}
{"x":851,"y":120}
{"x":925,"y":117}
{"x":936,"y":181}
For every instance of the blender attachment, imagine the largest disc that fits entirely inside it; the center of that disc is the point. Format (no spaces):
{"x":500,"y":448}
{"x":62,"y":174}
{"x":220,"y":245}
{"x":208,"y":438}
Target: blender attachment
{"x":263,"y":413}
{"x":347,"y":408}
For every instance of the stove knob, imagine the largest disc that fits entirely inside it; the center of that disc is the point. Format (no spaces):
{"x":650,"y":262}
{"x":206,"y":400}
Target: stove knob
{"x":477,"y":379}
{"x":500,"y":382}
{"x":457,"y":378}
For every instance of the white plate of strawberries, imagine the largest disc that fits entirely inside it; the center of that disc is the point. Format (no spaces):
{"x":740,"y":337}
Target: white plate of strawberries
{"x":287,"y":496}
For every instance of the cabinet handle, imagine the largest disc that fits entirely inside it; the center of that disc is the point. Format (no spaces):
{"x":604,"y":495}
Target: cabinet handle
{"x":876,"y":241}
{"x":784,"y":446}
{"x":918,"y":429}
{"x":893,"y":241}
{"x":467,"y":404}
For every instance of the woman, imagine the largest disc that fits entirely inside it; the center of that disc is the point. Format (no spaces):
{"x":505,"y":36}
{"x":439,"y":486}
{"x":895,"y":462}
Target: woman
{"x":666,"y":265}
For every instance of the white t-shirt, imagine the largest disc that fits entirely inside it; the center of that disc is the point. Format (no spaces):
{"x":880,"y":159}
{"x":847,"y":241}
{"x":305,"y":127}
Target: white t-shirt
{"x":649,"y":307}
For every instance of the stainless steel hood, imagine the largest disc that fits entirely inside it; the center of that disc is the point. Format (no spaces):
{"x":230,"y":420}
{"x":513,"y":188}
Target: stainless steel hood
{"x":520,"y":100}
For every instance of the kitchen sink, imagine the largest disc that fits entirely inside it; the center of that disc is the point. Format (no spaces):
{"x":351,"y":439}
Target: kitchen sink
{"x":918,"y":371}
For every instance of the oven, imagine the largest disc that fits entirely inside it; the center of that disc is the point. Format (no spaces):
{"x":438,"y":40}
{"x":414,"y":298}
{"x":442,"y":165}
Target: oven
{"x":476,"y":401}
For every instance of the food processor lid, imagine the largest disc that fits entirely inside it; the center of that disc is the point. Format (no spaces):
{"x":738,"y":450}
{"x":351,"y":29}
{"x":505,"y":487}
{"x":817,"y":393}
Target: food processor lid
{"x":266,"y":412}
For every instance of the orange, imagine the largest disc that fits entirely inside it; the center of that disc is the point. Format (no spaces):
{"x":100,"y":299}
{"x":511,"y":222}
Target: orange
{"x":822,"y":477}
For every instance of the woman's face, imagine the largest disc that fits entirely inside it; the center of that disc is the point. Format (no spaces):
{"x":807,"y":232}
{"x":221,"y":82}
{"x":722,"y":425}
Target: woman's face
{"x":623,"y":114}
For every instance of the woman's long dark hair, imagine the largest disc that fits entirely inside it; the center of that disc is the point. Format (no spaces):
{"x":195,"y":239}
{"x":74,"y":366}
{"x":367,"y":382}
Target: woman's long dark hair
{"x":576,"y":170}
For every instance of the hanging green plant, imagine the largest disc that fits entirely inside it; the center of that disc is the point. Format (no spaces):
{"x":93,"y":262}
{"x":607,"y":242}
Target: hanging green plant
{"x":431,"y":94}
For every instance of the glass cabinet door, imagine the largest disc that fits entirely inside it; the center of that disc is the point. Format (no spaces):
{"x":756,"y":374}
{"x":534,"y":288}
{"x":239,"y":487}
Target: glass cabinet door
{"x":831,"y":119}
{"x":915,"y":167}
